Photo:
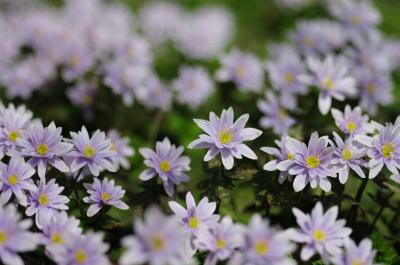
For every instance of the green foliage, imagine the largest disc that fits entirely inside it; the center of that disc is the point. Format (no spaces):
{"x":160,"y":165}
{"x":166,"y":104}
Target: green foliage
{"x":386,"y":252}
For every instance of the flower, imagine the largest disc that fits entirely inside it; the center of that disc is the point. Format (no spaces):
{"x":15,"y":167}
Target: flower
{"x":84,"y":249}
{"x":363,"y":254}
{"x":14,"y":236}
{"x":244,"y":69}
{"x":263,"y":244}
{"x":154,"y":94}
{"x":83,"y":93}
{"x":332,"y":79}
{"x":45,"y":202}
{"x":221,"y":240}
{"x":351,"y":121}
{"x":321,"y":232}
{"x":275,"y":116}
{"x":167,"y":163}
{"x":78,"y":59}
{"x":159,"y":240}
{"x":103,"y":193}
{"x":122,"y":149}
{"x":194,"y":217}
{"x":311,"y":164}
{"x":59,"y":229}
{"x":44,"y":145}
{"x":280,"y":154}
{"x":16,"y":178}
{"x":348,"y":156}
{"x":226,"y":137}
{"x":193,"y":85}
{"x":93,"y":152}
{"x":383,"y":150}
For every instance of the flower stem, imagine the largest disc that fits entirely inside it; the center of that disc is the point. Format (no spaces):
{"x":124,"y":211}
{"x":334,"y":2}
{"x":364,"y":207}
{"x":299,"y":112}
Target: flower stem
{"x":155,"y":126}
{"x":354,"y":208}
{"x":383,"y":206}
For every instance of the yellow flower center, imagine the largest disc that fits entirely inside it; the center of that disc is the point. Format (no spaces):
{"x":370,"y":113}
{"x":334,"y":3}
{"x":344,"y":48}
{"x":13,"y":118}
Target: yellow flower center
{"x":346,"y":154}
{"x":75,"y":60}
{"x":165,"y":166}
{"x":225,"y":136}
{"x":355,"y":20}
{"x":3,"y":237}
{"x":194,"y":222}
{"x":158,"y":243}
{"x":282,"y":114}
{"x":80,"y":256}
{"x":43,"y":199}
{"x":42,"y":149}
{"x":308,"y":42}
{"x":312,"y":161}
{"x":113,"y":147}
{"x":88,"y":151}
{"x":13,"y":136}
{"x":12,"y":180}
{"x":289,"y":78}
{"x":371,"y":88}
{"x":351,"y":126}
{"x":290,"y":156}
{"x":261,"y":248}
{"x":319,"y":235}
{"x":57,"y":238}
{"x":357,"y":262}
{"x":387,"y":150}
{"x":328,"y":83}
{"x":220,"y":243}
{"x":105,"y":196}
{"x":241,"y":71}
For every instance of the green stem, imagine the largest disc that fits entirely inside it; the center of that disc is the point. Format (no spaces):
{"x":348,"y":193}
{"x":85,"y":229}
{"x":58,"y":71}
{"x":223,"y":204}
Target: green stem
{"x":155,"y":126}
{"x":383,"y":206}
{"x":354,"y":208}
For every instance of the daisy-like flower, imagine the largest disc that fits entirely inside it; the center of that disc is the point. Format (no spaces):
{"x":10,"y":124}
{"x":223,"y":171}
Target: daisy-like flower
{"x":15,"y":236}
{"x":193,"y":85}
{"x":280,"y":154}
{"x":167,"y":163}
{"x":103,"y":193}
{"x":122,"y":149}
{"x":16,"y":178}
{"x":44,"y":145}
{"x":159,"y":239}
{"x":363,"y":254}
{"x":194,"y":217}
{"x":94,"y":152}
{"x":244,"y":69}
{"x":351,"y":121}
{"x":224,"y":136}
{"x":57,"y":230}
{"x":275,"y":115}
{"x":45,"y":202}
{"x":84,"y":249}
{"x":83,"y":93}
{"x":321,"y":232}
{"x":348,"y":156}
{"x":77,"y":60}
{"x":311,"y":164}
{"x":220,"y":240}
{"x":384,"y":149}
{"x":154,"y":94}
{"x":332,"y":79}
{"x":263,"y":244}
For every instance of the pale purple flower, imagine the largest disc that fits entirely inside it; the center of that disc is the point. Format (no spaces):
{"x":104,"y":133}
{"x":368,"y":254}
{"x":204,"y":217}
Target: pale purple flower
{"x":263,"y":244}
{"x":87,"y":249}
{"x":45,"y":201}
{"x":154,"y":94}
{"x":224,"y":136}
{"x":83,"y":93}
{"x":16,"y":178}
{"x":363,"y":254}
{"x":94,"y":152}
{"x":44,"y":145}
{"x":15,"y":236}
{"x":193,"y":85}
{"x":384,"y":149}
{"x":351,"y":121}
{"x":331,"y":77}
{"x":167,"y":162}
{"x":78,"y":59}
{"x":103,"y":193}
{"x":243,"y":69}
{"x":122,"y":149}
{"x":158,"y":239}
{"x":58,"y":230}
{"x":311,"y":164}
{"x":275,"y":115}
{"x":348,"y":155}
{"x":135,"y":50}
{"x":321,"y":232}
{"x":194,"y":217}
{"x":220,"y":240}
{"x":280,"y":154}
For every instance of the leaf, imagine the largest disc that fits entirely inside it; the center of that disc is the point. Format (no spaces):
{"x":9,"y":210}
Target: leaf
{"x":386,"y":253}
{"x":318,"y":262}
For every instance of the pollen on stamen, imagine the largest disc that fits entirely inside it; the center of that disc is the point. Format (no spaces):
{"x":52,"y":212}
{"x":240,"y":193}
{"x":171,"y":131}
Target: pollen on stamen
{"x":89,"y":151}
{"x":351,"y":126}
{"x":225,"y":136}
{"x":261,"y":248}
{"x":42,"y":149}
{"x":319,"y":235}
{"x":312,"y":161}
{"x":12,"y":180}
{"x":13,"y":136}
